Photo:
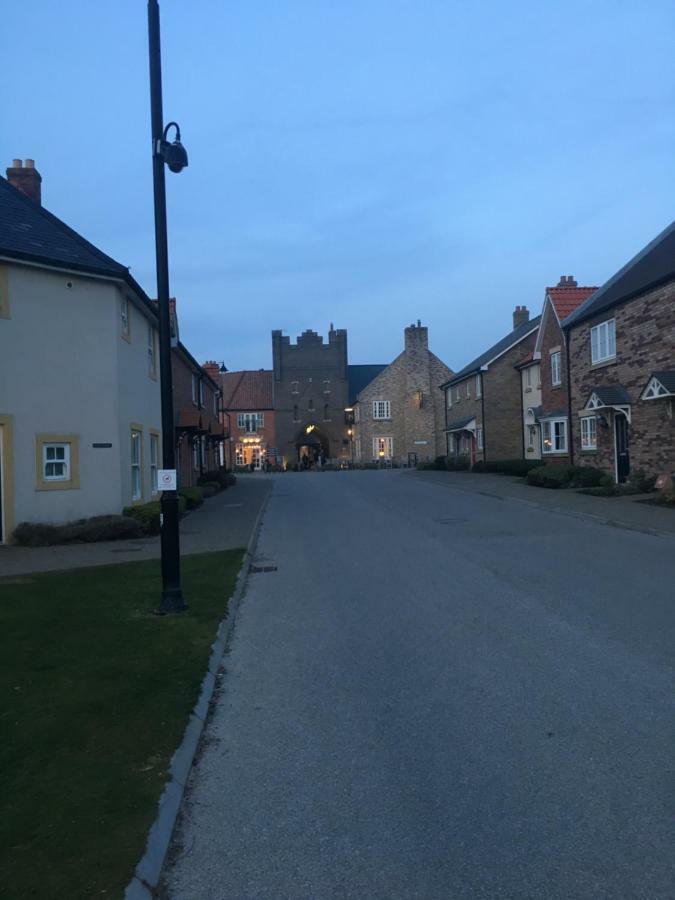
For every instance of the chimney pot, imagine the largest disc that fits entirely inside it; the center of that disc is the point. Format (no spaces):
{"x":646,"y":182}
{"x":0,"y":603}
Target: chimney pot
{"x":26,"y":178}
{"x":29,"y":164}
{"x":17,"y":163}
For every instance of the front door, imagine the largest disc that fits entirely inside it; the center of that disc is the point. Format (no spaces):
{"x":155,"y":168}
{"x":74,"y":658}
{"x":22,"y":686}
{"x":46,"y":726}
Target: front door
{"x":256,"y":457}
{"x":622,"y":454}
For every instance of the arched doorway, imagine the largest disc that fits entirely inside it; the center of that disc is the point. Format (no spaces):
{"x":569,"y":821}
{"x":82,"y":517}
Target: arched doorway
{"x":312,"y":446}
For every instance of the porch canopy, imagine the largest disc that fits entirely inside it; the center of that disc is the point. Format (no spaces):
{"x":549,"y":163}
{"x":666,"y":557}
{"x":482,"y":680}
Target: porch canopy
{"x":533,"y":415}
{"x":468,"y":424}
{"x":612,"y":396}
{"x":660,"y":384}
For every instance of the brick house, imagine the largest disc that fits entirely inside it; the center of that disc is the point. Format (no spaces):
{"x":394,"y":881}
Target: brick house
{"x":621,"y":347}
{"x":483,"y":402}
{"x":248,"y":409}
{"x":545,"y":417}
{"x":80,"y":412}
{"x":311,"y":393}
{"x":399,"y":414}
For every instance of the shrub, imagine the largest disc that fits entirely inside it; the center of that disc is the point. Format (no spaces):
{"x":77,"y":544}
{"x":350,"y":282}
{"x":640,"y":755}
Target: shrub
{"x":640,"y":482}
{"x":82,"y":531}
{"x":210,"y":489}
{"x":556,"y":476}
{"x":588,"y":476}
{"x":219,"y":477}
{"x":457,"y":463}
{"x":194,"y":497}
{"x":516,"y":467}
{"x":147,"y":514}
{"x":440,"y":463}
{"x":549,"y":476}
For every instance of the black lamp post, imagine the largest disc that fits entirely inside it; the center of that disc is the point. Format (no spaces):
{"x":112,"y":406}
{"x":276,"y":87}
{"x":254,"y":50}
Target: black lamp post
{"x":174,"y":156}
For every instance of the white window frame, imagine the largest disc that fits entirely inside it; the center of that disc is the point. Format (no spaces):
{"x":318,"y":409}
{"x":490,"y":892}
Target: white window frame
{"x":457,"y":397}
{"x":136,"y":464}
{"x":468,"y":390}
{"x":154,"y":463}
{"x":558,"y":442}
{"x":239,"y":454}
{"x":55,"y":461}
{"x":295,"y":387}
{"x":152,"y":351}
{"x":381,"y":409}
{"x":216,"y":398}
{"x":251,"y":422}
{"x":479,"y":387}
{"x":589,"y":435}
{"x":448,"y":398}
{"x":201,"y":394}
{"x":385,"y":443}
{"x":479,"y":438}
{"x":603,"y":334}
{"x":556,"y":368}
{"x":124,"y":316}
{"x":528,"y":378}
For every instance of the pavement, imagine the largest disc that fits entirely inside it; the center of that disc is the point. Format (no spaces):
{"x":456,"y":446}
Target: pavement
{"x":432,"y":692}
{"x":223,"y":522}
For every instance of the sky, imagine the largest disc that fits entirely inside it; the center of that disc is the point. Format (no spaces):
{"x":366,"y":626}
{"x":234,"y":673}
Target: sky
{"x":367,"y":163}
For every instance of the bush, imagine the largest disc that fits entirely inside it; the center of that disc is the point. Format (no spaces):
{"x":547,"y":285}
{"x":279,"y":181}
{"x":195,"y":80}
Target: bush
{"x":457,"y":463}
{"x":556,"y":476}
{"x":516,"y":467}
{"x":210,"y":489}
{"x":219,"y":477}
{"x":194,"y":497}
{"x":640,"y":482}
{"x":82,"y":531}
{"x":549,"y":476}
{"x":440,"y":463}
{"x":147,"y":514}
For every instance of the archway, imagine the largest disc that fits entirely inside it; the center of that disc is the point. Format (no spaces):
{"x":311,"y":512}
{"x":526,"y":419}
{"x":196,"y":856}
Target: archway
{"x":312,"y":446}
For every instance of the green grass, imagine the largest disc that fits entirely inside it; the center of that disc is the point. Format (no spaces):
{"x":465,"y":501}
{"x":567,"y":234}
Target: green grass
{"x":95,"y":698}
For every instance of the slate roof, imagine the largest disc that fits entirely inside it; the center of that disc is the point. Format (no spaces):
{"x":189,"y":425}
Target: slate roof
{"x":247,"y":391}
{"x":495,"y":351}
{"x":359,"y":377}
{"x":460,"y":424}
{"x":612,"y":395}
{"x":30,"y":233}
{"x":653,"y":265}
{"x":560,"y":413}
{"x":566,"y":299}
{"x":667,"y":379}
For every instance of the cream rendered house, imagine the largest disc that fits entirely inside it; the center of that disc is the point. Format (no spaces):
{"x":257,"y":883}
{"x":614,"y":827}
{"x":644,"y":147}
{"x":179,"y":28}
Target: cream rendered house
{"x":79,"y":389}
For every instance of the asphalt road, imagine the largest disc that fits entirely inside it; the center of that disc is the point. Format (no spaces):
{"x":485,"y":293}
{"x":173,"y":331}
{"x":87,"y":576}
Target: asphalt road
{"x":438,"y":695}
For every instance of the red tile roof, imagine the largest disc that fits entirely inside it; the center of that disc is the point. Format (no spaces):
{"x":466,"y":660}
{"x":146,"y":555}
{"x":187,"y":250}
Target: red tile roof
{"x":247,"y":391}
{"x":566,"y":299}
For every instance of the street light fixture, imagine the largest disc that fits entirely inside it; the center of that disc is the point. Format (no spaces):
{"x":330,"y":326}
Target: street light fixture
{"x":174,"y":156}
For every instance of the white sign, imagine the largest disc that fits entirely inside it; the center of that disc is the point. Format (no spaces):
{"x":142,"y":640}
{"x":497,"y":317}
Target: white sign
{"x":166,"y":479}
{"x":421,"y":442}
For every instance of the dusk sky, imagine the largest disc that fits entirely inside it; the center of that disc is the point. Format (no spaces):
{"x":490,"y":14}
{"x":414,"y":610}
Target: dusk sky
{"x":365,"y":163}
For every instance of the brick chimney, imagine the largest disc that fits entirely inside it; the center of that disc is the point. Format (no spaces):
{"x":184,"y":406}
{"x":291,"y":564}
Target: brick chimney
{"x":567,"y":281}
{"x":416,"y":337}
{"x":212,"y":369}
{"x":521,"y":315}
{"x":26,"y":178}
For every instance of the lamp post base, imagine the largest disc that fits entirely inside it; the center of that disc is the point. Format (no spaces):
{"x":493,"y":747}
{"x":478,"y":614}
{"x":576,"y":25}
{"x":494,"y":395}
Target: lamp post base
{"x":172,"y":602}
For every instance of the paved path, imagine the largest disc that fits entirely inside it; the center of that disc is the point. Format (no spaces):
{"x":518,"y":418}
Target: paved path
{"x":438,"y":695}
{"x":222,"y":523}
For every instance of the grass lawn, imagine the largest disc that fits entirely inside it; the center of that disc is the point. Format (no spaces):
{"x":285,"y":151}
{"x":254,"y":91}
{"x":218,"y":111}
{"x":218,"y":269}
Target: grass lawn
{"x":96,"y":692}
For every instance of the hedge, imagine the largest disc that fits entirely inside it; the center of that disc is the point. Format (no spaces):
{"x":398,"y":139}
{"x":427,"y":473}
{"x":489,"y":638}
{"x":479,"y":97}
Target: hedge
{"x":81,"y":531}
{"x":518,"y":467}
{"x":556,"y":476}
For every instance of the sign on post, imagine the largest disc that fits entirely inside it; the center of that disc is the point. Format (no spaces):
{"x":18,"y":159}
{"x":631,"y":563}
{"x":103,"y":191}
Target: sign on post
{"x":166,"y":479}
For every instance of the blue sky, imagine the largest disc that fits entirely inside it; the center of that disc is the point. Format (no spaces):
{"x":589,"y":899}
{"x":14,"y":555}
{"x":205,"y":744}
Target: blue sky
{"x":367,"y":163}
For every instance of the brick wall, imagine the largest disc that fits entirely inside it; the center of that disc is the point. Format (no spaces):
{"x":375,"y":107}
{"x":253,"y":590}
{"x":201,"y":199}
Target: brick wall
{"x":645,"y":342}
{"x":503,"y":428}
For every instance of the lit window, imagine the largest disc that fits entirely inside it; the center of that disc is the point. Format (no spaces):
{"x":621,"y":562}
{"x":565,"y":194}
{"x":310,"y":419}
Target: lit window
{"x":603,"y":341}
{"x":383,"y":448}
{"x":239,"y":455}
{"x":555,"y":368}
{"x":589,"y":433}
{"x":554,"y":436}
{"x":381,"y":409}
{"x":136,"y":455}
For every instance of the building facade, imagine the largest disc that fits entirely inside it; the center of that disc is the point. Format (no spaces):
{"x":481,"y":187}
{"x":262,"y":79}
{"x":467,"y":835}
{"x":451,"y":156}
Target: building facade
{"x":483,"y":402}
{"x":530,"y":388}
{"x":622,"y":362}
{"x":248,"y":411}
{"x":198,"y":429}
{"x":310,"y":395}
{"x":80,"y":415}
{"x":399,"y":415}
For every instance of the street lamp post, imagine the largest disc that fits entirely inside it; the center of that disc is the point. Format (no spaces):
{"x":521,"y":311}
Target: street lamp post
{"x":174,"y":156}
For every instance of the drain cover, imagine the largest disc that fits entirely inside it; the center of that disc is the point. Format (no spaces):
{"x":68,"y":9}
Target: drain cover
{"x":256,"y":569}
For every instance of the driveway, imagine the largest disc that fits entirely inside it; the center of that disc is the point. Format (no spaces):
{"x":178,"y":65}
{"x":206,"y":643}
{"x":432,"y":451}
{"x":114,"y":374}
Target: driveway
{"x":438,"y":694}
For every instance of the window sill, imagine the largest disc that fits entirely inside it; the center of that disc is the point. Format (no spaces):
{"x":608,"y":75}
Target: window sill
{"x":556,"y":387}
{"x":554,"y":453}
{"x":603,"y":364}
{"x":70,"y":485}
{"x":588,"y":451}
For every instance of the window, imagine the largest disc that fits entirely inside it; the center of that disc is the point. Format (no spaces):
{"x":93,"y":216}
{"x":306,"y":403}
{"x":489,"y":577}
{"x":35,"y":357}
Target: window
{"x":195,"y":389}
{"x":201,"y":393}
{"x":294,"y":387}
{"x":383,"y":447}
{"x":124,"y":317}
{"x":357,"y":449}
{"x":448,"y":397}
{"x":196,"y":445}
{"x":554,"y":436}
{"x":310,"y":405}
{"x":589,"y":433}
{"x":216,"y":397}
{"x":56,"y":462}
{"x":251,"y":422}
{"x":528,"y":379}
{"x":479,"y":387}
{"x":136,"y":457}
{"x":381,"y":409}
{"x":326,"y":413}
{"x":239,"y":455}
{"x":603,"y":341}
{"x":154,"y":462}
{"x":555,"y":368}
{"x":468,"y":390}
{"x":152,"y":355}
{"x":479,"y":438}
{"x":326,"y":387}
{"x":296,"y":416}
{"x":457,"y":394}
